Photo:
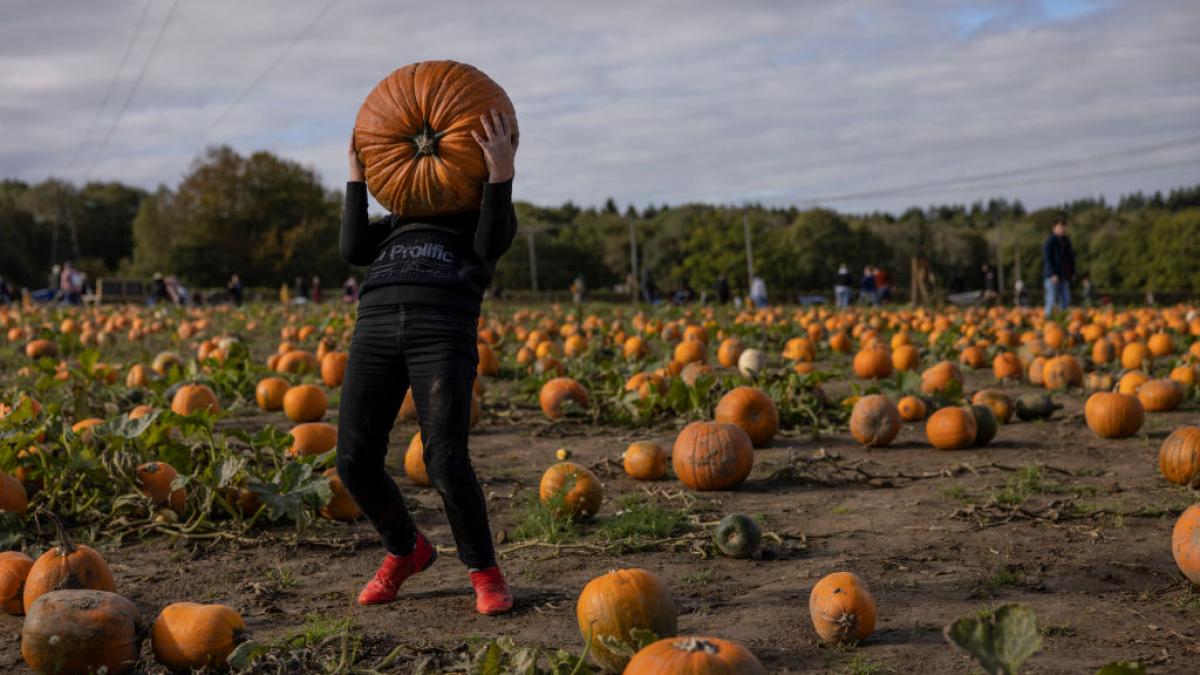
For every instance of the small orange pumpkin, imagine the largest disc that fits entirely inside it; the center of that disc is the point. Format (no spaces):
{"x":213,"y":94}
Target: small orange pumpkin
{"x":1179,"y":457}
{"x":708,"y":655}
{"x":556,"y":393}
{"x":13,"y":497}
{"x":414,"y":462}
{"x":842,"y":608}
{"x":14,"y":569}
{"x":752,"y":410}
{"x":67,"y":566}
{"x":193,"y":398}
{"x":613,"y":604}
{"x":305,"y":403}
{"x":875,"y":420}
{"x":312,"y":438}
{"x":1185,"y":543}
{"x":940,"y":377}
{"x":333,"y":368}
{"x":951,"y":428}
{"x":911,"y":408}
{"x":341,"y":505}
{"x":1007,"y":366}
{"x":1160,"y":395}
{"x":154,"y":481}
{"x":577,"y":486}
{"x":644,"y":460}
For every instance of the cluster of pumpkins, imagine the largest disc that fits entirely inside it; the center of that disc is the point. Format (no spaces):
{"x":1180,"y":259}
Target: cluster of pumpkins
{"x":88,"y":627}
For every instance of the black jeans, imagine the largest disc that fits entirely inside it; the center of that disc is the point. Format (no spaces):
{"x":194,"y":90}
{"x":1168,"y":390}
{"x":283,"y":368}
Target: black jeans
{"x":434,"y":351}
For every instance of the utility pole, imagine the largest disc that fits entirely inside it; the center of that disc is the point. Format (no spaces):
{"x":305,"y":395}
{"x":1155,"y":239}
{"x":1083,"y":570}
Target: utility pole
{"x":1000,"y":262}
{"x":533,"y":274}
{"x":633,"y":263}
{"x":749,"y":249}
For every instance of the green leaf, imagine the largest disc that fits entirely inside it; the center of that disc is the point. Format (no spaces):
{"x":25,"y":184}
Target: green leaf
{"x":1000,"y":643}
{"x":244,"y":655}
{"x":292,"y":490}
{"x":491,"y":660}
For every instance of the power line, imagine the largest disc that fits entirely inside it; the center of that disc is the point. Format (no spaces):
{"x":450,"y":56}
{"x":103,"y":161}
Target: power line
{"x":111,"y":83}
{"x":983,"y":177}
{"x":1094,"y":174}
{"x":269,"y":69}
{"x":137,"y":83}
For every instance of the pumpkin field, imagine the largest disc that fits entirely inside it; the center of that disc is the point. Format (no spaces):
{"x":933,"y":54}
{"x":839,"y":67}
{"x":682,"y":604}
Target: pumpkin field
{"x":784,"y":489}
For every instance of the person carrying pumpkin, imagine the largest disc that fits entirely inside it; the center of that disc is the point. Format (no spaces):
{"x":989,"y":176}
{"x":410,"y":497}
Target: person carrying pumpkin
{"x":417,"y":320}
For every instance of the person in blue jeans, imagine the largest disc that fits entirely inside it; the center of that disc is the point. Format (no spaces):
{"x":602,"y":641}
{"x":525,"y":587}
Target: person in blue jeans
{"x":1058,"y":267}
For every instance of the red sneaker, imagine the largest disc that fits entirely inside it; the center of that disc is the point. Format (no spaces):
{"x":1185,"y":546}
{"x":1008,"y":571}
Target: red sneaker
{"x":491,"y":591}
{"x":394,"y":570}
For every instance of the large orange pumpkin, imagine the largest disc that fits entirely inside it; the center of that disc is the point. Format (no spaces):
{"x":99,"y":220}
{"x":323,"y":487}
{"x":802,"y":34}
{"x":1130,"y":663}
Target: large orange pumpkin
{"x":80,"y":631}
{"x":685,"y":655}
{"x":875,"y":420}
{"x":305,"y":403}
{"x":752,"y":410}
{"x":1113,"y":415}
{"x":189,"y":635}
{"x":1179,"y":457}
{"x":842,"y":608}
{"x":1185,"y":543}
{"x":1160,"y":395}
{"x":613,"y":604}
{"x":951,"y":428}
{"x":192,"y":398}
{"x":413,"y":135}
{"x":67,"y":566}
{"x":712,"y":456}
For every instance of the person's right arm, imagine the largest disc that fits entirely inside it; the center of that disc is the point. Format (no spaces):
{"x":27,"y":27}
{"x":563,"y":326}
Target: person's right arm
{"x":358,"y":240}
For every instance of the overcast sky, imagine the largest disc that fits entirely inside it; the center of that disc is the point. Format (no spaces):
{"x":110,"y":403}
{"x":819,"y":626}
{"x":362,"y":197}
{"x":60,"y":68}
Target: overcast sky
{"x":858,"y":105}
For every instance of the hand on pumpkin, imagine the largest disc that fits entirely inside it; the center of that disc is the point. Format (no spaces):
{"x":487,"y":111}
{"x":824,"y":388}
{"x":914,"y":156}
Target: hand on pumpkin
{"x":357,"y":172}
{"x":499,"y":143}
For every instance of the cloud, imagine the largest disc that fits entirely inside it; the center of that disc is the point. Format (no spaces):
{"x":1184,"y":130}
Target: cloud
{"x":649,"y":102}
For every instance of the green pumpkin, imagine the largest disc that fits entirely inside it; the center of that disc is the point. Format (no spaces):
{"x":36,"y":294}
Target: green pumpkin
{"x":1036,"y":407}
{"x":737,"y":536}
{"x":985,"y":424}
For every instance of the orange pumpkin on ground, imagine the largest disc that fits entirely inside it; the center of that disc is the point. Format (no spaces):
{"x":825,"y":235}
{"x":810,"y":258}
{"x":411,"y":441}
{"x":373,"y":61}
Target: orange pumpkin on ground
{"x":1131,"y":381}
{"x":905,"y":357}
{"x":1007,"y":366}
{"x":188,"y":635}
{"x":1185,"y":543}
{"x":67,"y":566}
{"x":268,"y":393}
{"x":154,"y":481}
{"x":14,"y":569}
{"x":998,"y":401}
{"x":413,"y":134}
{"x":729,"y":351}
{"x":712,"y":456}
{"x":312,"y":438}
{"x":875,"y":421}
{"x":911,"y":408}
{"x":1179,"y":457}
{"x":555,"y":395}
{"x":873,"y":362}
{"x":81,"y":631}
{"x":708,"y":655}
{"x":951,"y":428}
{"x":940,"y":377}
{"x":842,"y":608}
{"x":1160,"y":395}
{"x":644,"y":460}
{"x":751,"y":410}
{"x":333,"y":368}
{"x":13,"y":497}
{"x":1113,"y":415}
{"x":414,"y":462}
{"x":577,"y":487}
{"x":193,"y":398}
{"x":305,"y":403}
{"x":613,"y":604}
{"x":341,"y":505}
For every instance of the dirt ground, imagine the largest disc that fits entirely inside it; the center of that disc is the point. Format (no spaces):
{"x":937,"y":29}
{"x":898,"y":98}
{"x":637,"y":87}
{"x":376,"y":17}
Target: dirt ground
{"x":1088,"y":549}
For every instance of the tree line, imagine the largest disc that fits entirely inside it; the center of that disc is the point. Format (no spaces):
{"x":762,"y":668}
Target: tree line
{"x":270,"y":219}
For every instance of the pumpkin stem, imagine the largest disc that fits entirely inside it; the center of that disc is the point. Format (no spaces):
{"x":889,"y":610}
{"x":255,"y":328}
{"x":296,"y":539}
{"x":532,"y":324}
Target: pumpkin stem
{"x":426,"y":141}
{"x":692,"y":645}
{"x":65,"y":546}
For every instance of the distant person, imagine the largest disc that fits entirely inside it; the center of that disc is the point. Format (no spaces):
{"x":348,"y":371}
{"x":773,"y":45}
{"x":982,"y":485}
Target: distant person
{"x":1058,"y":267}
{"x":70,"y":284}
{"x":350,"y":289}
{"x":866,"y":287}
{"x":299,"y":291}
{"x":314,"y":291}
{"x":991,"y":288}
{"x":843,"y":287}
{"x":1085,"y":289}
{"x":235,"y":290}
{"x":158,"y":292}
{"x":758,"y":292}
{"x":883,"y":285}
{"x":722,"y":289}
{"x":178,"y":292}
{"x":1021,"y":293}
{"x":578,"y":289}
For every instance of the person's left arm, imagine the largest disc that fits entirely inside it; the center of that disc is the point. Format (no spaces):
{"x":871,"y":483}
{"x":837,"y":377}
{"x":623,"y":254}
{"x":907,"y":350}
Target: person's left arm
{"x":497,"y":218}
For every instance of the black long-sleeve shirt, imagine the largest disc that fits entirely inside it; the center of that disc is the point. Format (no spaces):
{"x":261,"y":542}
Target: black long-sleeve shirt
{"x":445,"y":261}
